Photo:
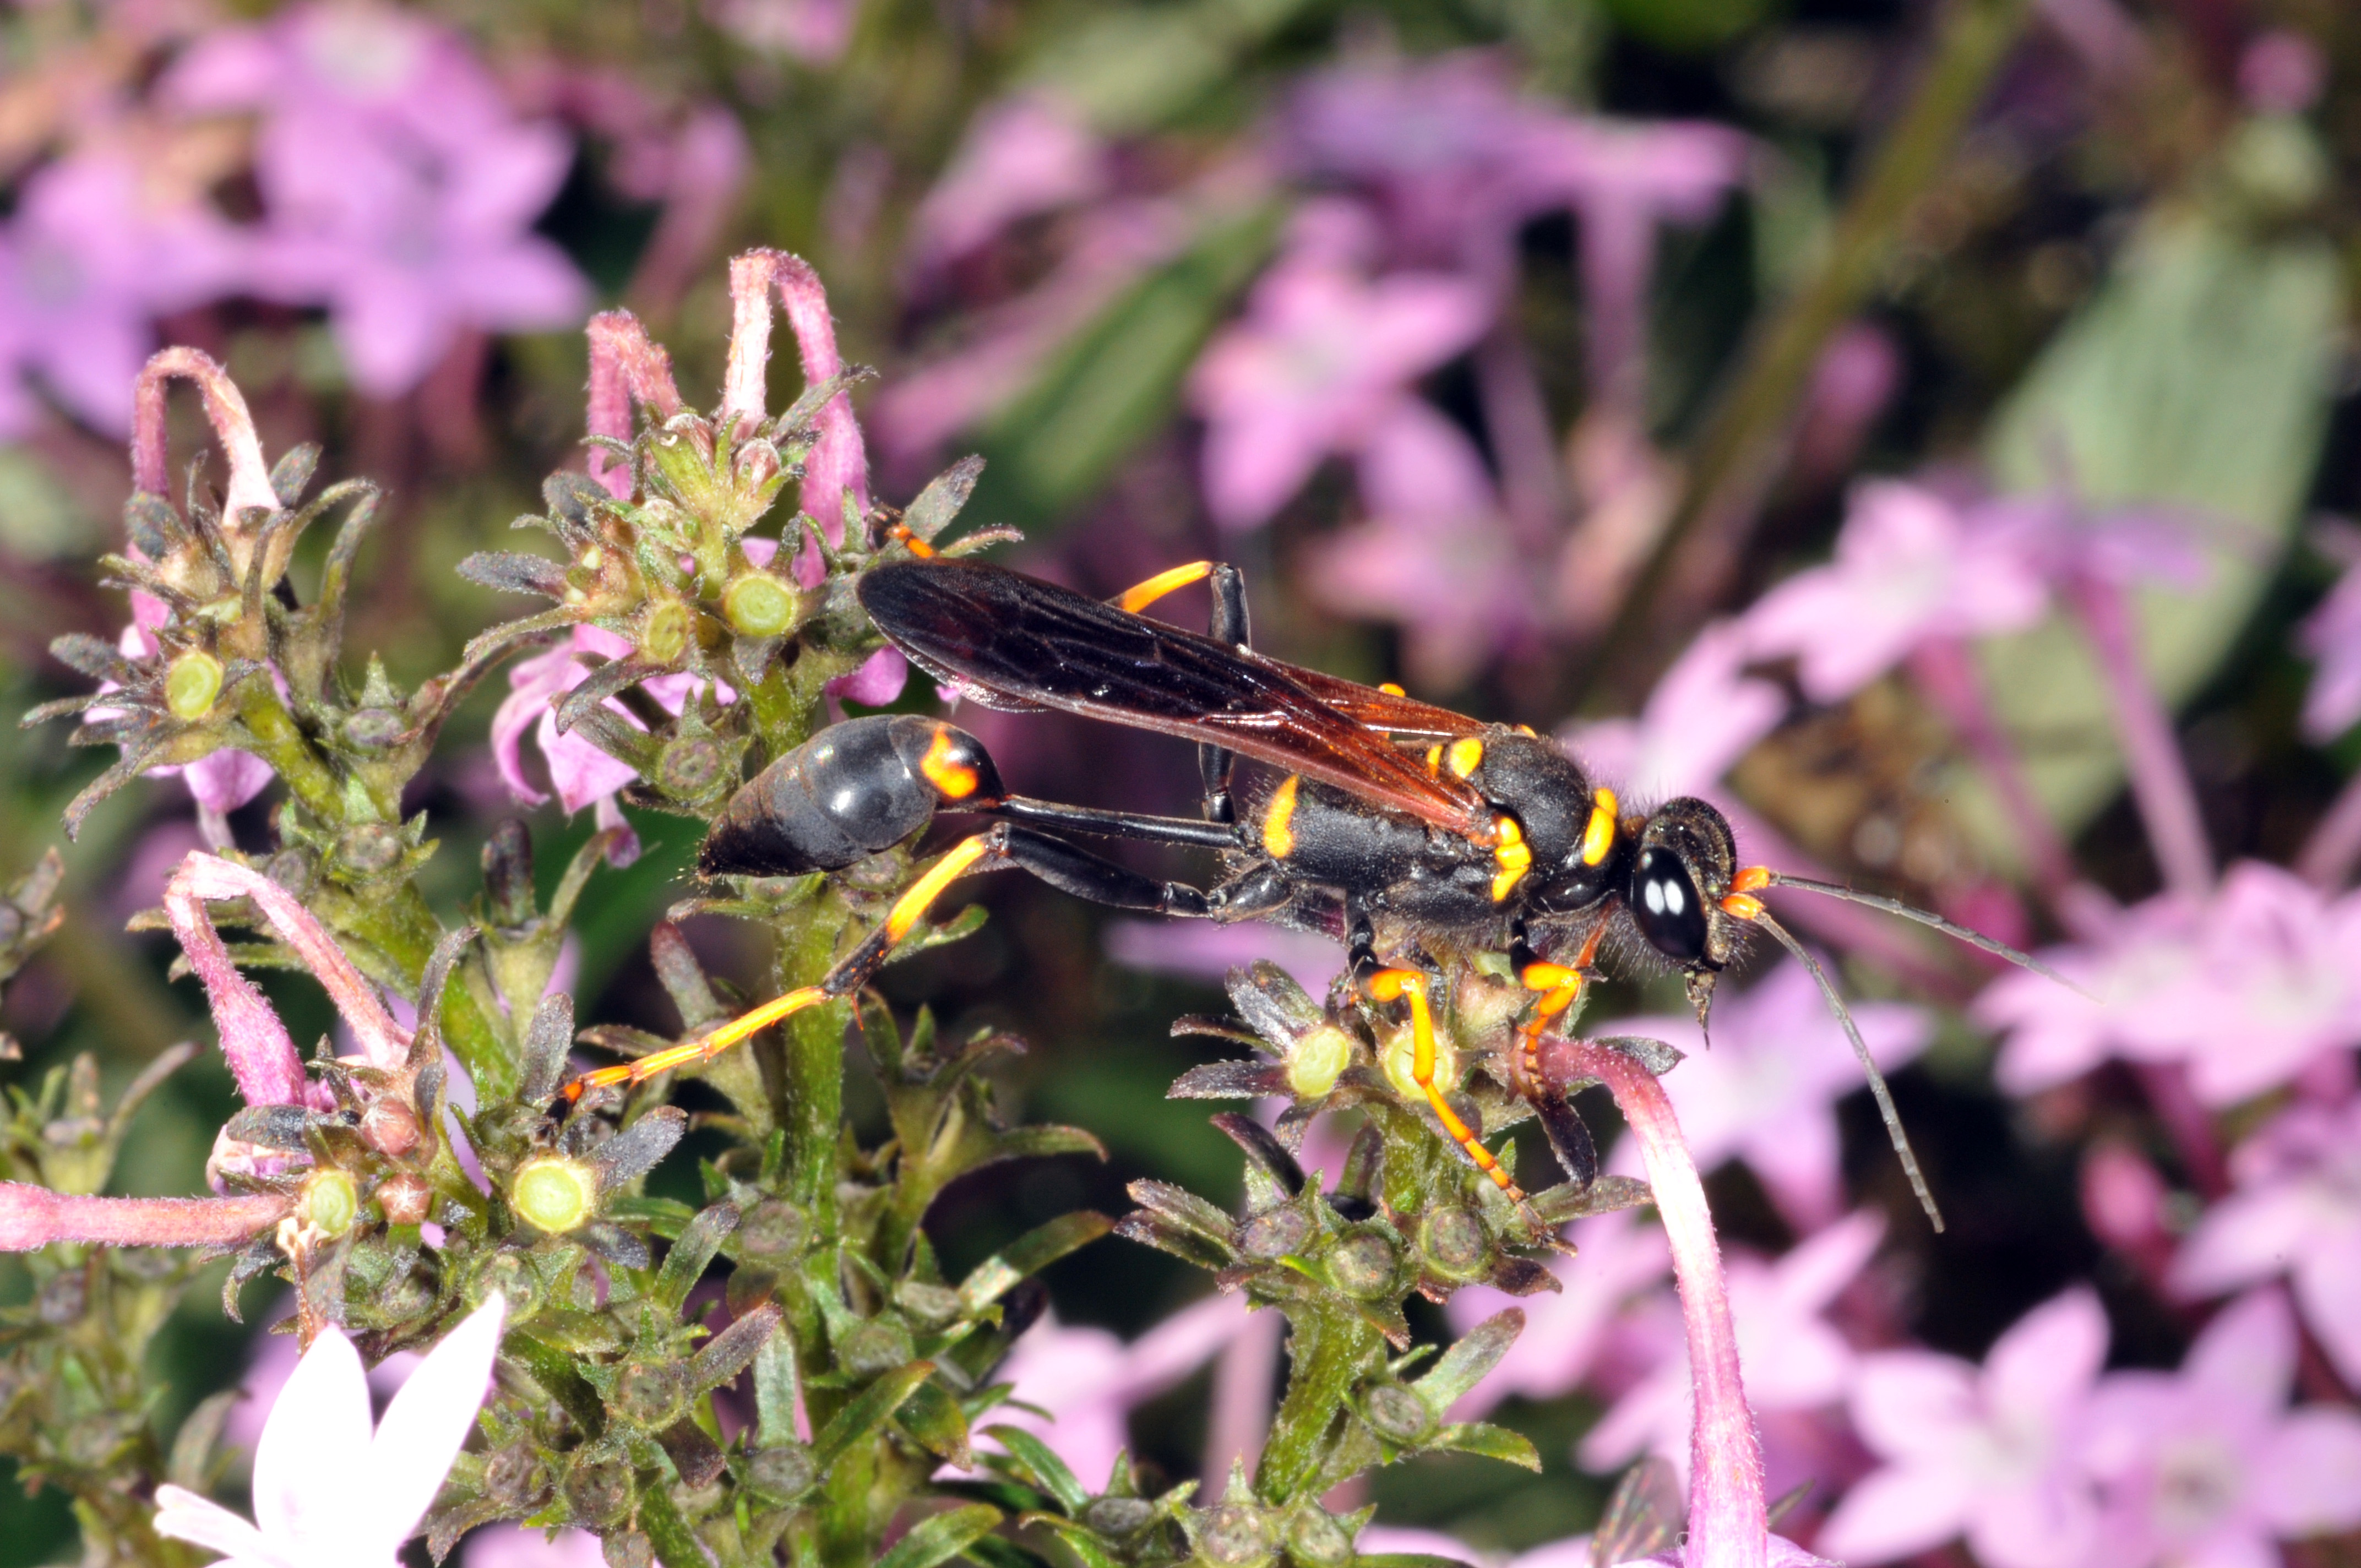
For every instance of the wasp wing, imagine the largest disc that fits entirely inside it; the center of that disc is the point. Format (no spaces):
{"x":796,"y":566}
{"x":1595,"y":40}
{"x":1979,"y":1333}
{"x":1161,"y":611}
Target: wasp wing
{"x":1012,"y":637}
{"x":1404,"y":719}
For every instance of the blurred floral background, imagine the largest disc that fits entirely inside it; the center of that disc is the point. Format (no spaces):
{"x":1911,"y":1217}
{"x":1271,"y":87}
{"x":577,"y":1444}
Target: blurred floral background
{"x":1927,"y":429}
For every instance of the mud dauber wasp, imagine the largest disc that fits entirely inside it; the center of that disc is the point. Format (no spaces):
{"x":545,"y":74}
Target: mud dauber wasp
{"x":1394,"y":824}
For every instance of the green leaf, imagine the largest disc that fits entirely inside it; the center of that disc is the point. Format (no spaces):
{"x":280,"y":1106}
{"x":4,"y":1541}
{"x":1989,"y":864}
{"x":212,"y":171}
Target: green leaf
{"x":556,"y":1372}
{"x":940,"y":501}
{"x":1133,"y":68}
{"x":774,"y":1391}
{"x":1117,"y":380}
{"x":867,"y":1412}
{"x":1041,"y":1464}
{"x":2196,"y":377}
{"x":935,"y":1422}
{"x":669,"y":1533}
{"x":698,"y":1245}
{"x":1029,"y":1253}
{"x":667,"y":1217}
{"x":941,"y":1538}
{"x":1490,"y":1441}
{"x":1472,"y":1355}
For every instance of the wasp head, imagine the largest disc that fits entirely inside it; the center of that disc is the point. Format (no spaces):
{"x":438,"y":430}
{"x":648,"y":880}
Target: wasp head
{"x":1681,"y":869}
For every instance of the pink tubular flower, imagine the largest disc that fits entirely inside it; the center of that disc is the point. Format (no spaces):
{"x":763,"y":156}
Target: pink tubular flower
{"x":1985,"y":1453}
{"x":1795,"y":1359}
{"x":1909,"y":565}
{"x":33,"y":1217}
{"x":1620,"y":1257}
{"x":1435,"y":556}
{"x":328,"y":1491}
{"x":1088,"y":1380}
{"x":2297,"y":1211}
{"x":99,"y":246}
{"x":401,"y":190}
{"x":1320,"y":359}
{"x":2208,"y":1466}
{"x":1702,"y":716}
{"x":1766,"y":1089}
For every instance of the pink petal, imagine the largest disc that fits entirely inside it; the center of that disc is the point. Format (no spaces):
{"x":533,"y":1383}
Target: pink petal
{"x":2328,"y":1289}
{"x":1909,"y":1402}
{"x":1897,"y":1512}
{"x":578,"y":771}
{"x":428,"y":1421}
{"x":312,"y":1467}
{"x":2245,"y":1357}
{"x":877,"y":682}
{"x":224,"y":781}
{"x":2309,"y":1482}
{"x":2247,"y":1237}
{"x":2044,"y":1365}
{"x":260,"y":1052}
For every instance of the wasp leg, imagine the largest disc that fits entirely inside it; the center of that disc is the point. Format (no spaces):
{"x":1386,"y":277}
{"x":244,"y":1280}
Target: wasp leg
{"x":1228,"y":628}
{"x":1569,"y":1137}
{"x":1062,"y":865}
{"x":1391,"y":984}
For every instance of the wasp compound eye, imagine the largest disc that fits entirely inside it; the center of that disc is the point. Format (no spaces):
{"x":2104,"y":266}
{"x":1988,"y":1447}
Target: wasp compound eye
{"x":1664,"y":902}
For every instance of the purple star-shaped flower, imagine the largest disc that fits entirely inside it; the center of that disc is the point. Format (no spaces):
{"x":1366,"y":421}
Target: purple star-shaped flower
{"x":2297,"y":1211}
{"x":1621,"y":1258}
{"x":1318,"y":364}
{"x":401,"y":190}
{"x":1984,"y":1452}
{"x":2207,"y":1467}
{"x":1703,"y":715}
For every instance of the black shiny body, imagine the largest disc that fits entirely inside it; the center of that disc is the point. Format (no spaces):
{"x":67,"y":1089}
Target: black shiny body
{"x":853,"y":790}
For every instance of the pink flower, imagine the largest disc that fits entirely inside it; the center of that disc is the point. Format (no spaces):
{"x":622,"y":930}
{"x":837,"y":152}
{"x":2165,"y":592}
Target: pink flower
{"x":2332,"y":637}
{"x":328,"y":1491}
{"x":1436,"y":555}
{"x":1793,"y":1358}
{"x":1987,"y":1454}
{"x":1203,"y":949}
{"x":1315,"y":366}
{"x":2249,"y":990}
{"x":401,"y":188}
{"x":2297,"y":1211}
{"x":1909,"y":565}
{"x":1088,"y":1380}
{"x":1766,"y":1089}
{"x":2282,"y":72}
{"x":101,"y":243}
{"x":1021,"y":156}
{"x":2207,"y":1466}
{"x":513,"y":1546}
{"x":32,"y":1217}
{"x":1620,"y":1257}
{"x":1702,"y":716}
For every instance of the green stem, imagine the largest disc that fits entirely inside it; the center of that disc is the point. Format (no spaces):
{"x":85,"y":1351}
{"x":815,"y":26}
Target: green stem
{"x":1739,"y":448}
{"x":1327,"y":1353}
{"x":813,"y":1111}
{"x":406,"y":930}
{"x":285,"y":746}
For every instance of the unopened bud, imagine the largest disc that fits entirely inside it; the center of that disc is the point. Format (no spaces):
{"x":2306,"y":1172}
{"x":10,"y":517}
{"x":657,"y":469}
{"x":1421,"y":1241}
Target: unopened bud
{"x":772,"y":1228}
{"x":1234,"y":1535}
{"x":1395,"y":1413}
{"x":329,"y":1202}
{"x":1316,"y":1539}
{"x":1318,"y":1060}
{"x":406,"y":1198}
{"x":192,"y":684}
{"x":664,"y":635}
{"x":690,"y":765}
{"x":759,"y":605}
{"x":1276,"y":1233}
{"x":650,"y":1393}
{"x":876,"y":1345}
{"x":597,"y":1491}
{"x":1454,"y":1240}
{"x":513,"y":1477}
{"x":1116,"y":1518}
{"x":374,"y":728}
{"x":782,"y":1474}
{"x":1362,"y":1264}
{"x":371,"y":848}
{"x":554,"y":1193}
{"x":391,"y":1127}
{"x":507,"y":874}
{"x":628,"y":1549}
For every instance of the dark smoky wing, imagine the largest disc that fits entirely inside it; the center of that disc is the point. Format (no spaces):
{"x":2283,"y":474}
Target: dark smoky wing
{"x":985,"y":626}
{"x":1402,"y":718}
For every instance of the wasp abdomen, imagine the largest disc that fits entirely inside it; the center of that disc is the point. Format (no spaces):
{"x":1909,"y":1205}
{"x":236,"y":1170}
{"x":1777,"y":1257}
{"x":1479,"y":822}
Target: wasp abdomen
{"x":859,"y":787}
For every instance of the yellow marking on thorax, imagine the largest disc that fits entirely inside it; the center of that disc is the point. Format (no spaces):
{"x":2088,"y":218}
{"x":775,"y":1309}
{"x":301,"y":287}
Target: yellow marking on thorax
{"x":1465,"y":755}
{"x":1390,"y":690}
{"x":1434,"y":760}
{"x":1598,"y":833}
{"x":1278,"y":820}
{"x":1511,"y":854}
{"x":1137,"y":598}
{"x":954,"y":778}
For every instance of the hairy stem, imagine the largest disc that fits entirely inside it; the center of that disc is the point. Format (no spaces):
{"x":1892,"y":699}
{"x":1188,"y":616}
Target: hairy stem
{"x":1327,"y":1353}
{"x":2160,"y":776}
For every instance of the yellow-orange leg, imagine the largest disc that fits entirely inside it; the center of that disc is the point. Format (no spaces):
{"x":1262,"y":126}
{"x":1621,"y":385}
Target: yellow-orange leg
{"x":911,"y":542}
{"x":1390,"y":985}
{"x":1141,"y":596}
{"x":851,"y":974}
{"x":1561,"y":987}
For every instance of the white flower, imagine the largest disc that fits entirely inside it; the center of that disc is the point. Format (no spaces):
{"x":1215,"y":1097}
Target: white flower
{"x":328,"y":1492}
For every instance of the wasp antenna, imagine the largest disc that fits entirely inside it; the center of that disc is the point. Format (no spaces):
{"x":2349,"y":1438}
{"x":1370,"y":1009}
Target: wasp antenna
{"x":1868,"y":1064}
{"x":1998,"y":950}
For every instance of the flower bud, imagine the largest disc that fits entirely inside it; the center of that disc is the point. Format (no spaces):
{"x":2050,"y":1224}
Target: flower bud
{"x":1234,"y":1535}
{"x":373,"y":729}
{"x":554,"y":1193}
{"x":772,"y":1228}
{"x":597,"y":1491}
{"x":191,"y":685}
{"x":370,"y":848}
{"x":759,"y":605}
{"x":391,"y":1127}
{"x":1362,"y":1264}
{"x":329,"y":1202}
{"x":1275,"y":1233}
{"x":782,"y":1474}
{"x":507,"y":874}
{"x":650,"y":1393}
{"x":1316,"y":1540}
{"x":1395,"y":1413}
{"x":628,"y":1549}
{"x":1116,"y":1518}
{"x":1454,"y":1241}
{"x":663,"y":631}
{"x":513,"y":1477}
{"x":1318,"y":1058}
{"x":406,"y":1198}
{"x":690,"y":764}
{"x":876,"y":1345}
